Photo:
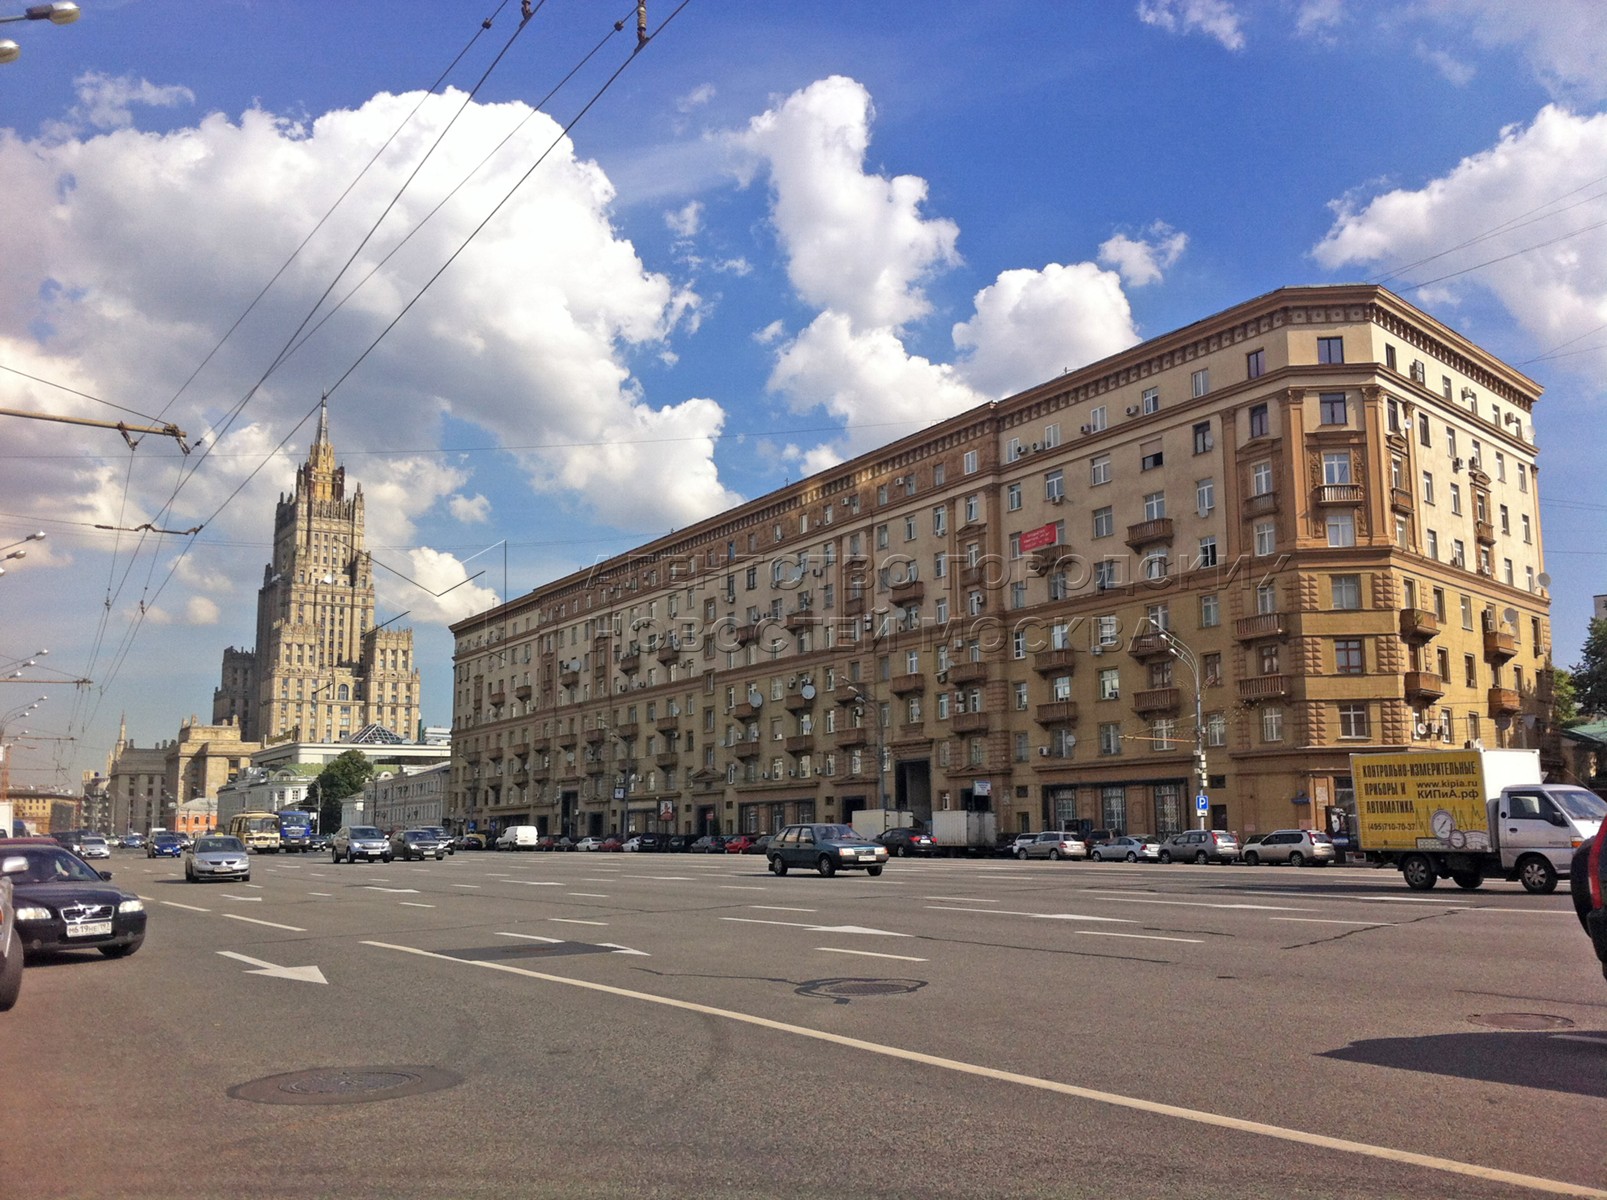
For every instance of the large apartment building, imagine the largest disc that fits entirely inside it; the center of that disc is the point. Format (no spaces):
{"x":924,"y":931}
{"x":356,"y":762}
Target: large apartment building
{"x":1213,"y":565}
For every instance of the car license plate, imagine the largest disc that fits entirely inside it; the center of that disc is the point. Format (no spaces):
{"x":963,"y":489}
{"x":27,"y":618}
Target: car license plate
{"x":90,"y":929}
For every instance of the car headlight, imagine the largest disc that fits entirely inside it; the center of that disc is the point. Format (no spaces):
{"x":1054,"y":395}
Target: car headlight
{"x":32,"y":912}
{"x":131,"y":906}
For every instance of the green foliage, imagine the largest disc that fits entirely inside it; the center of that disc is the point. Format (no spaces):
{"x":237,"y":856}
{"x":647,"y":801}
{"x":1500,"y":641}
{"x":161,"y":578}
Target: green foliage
{"x":1590,"y":673}
{"x":1564,"y":703}
{"x":341,"y":778}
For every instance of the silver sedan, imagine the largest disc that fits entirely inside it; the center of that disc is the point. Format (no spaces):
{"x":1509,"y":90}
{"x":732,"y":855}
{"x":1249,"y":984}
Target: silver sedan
{"x":217,"y":856}
{"x":1128,"y":849}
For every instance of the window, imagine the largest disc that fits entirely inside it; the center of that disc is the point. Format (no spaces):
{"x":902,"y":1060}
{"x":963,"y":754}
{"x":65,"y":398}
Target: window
{"x":1155,"y":565}
{"x":1202,"y":437}
{"x":1200,"y":382}
{"x":1353,"y":721}
{"x":1258,"y":421}
{"x":940,"y":520}
{"x":1389,"y":357}
{"x":1450,"y":441}
{"x":1266,"y":598}
{"x":970,"y":462}
{"x":1012,"y":497}
{"x":1346,"y":591}
{"x":1210,"y":611}
{"x":1336,"y":467}
{"x":1216,"y":729}
{"x":1255,"y":364}
{"x":909,"y":529}
{"x":1154,"y":506}
{"x":1099,"y":470}
{"x":1105,"y":627}
{"x":1097,"y":419}
{"x":881,"y":493}
{"x":1060,"y":688}
{"x":1466,"y":604}
{"x":1470,"y":671}
{"x":1151,"y":401}
{"x":939,"y":474}
{"x":1524,"y":525}
{"x":1523,"y":478}
{"x":1012,"y":450}
{"x":1054,"y":486}
{"x":1348,"y":656}
{"x":1445,"y":386}
{"x":1207,"y":556}
{"x":1018,"y":597}
{"x":1272,"y":724}
{"x":1332,"y":408}
{"x":1341,"y":529}
{"x":881,"y":537}
{"x":1500,"y":467}
{"x":1458,"y":553}
{"x":1265,"y":538}
{"x":1110,"y":738}
{"x":973,"y":510}
{"x":1104,"y":574}
{"x":1506,"y":521}
{"x":1051,"y":436}
{"x":1211,"y":668}
{"x":1204,"y":496}
{"x":1150,"y":456}
{"x":1021,"y":697}
{"x":1330,"y":350}
{"x":1159,"y":616}
{"x":1433,"y":546}
{"x":1261,"y":479}
{"x":1110,"y":683}
{"x":1105,"y":522}
{"x":1428,"y":487}
{"x":1456,"y":499}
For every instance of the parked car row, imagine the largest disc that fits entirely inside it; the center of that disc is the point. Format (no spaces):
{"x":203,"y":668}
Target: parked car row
{"x":528,"y":837}
{"x":1295,"y":847}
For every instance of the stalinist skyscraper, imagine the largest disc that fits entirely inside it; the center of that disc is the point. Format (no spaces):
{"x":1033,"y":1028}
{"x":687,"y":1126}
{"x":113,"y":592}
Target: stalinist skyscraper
{"x":321,"y":671}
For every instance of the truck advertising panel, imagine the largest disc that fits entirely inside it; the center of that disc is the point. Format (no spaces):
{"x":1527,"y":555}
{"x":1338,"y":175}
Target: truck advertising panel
{"x":1425,"y":801}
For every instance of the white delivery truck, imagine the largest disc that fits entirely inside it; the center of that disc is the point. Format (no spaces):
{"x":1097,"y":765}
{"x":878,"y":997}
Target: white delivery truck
{"x":868,"y":822}
{"x":1470,"y":815}
{"x":958,"y":831}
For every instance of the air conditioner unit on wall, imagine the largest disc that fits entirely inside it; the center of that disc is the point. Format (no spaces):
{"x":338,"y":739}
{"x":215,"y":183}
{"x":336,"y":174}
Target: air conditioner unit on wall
{"x":1086,"y":429}
{"x":1132,"y":410}
{"x":1043,"y":751}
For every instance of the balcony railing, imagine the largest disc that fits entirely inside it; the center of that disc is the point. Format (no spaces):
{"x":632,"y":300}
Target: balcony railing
{"x":1154,"y":700}
{"x":1263,"y":687}
{"x":968,"y":672}
{"x":1149,"y":645}
{"x":909,"y":591}
{"x":1058,"y":712}
{"x":1484,"y":533}
{"x":1424,"y":685}
{"x":1145,"y":532}
{"x":630,"y":662}
{"x":971,"y":722}
{"x":1263,"y":504}
{"x":852,"y":735}
{"x":1054,"y":662}
{"x":1418,"y":624}
{"x":1499,"y":645}
{"x":1259,"y":626}
{"x":1400,"y":499}
{"x":1338,"y":493}
{"x":1504,"y":702}
{"x":801,"y":743}
{"x":906,"y":685}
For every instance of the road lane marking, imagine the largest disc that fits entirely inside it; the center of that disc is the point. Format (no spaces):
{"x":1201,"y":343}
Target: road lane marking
{"x":1196,"y":1116}
{"x":1141,"y":937}
{"x":534,"y":937}
{"x":269,"y":924}
{"x":251,"y":885}
{"x":672,"y":878}
{"x":1328,"y":921}
{"x":818,"y":928}
{"x":467,"y":885}
{"x":189,"y":907}
{"x":1417,"y":900}
{"x":324,"y":894}
{"x":575,"y":921}
{"x":398,"y":891}
{"x":743,"y":887}
{"x":414,"y":904}
{"x":779,"y":908}
{"x":1005,"y":912}
{"x":1121,"y":898}
{"x":869,"y":954}
{"x":263,"y":967}
{"x":963,"y":899}
{"x":541,"y":883}
{"x":618,"y":949}
{"x":251,"y":899}
{"x":588,"y":895}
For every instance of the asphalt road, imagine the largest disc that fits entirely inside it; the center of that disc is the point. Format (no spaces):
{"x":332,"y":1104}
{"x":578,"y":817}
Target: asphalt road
{"x":599,"y":1025}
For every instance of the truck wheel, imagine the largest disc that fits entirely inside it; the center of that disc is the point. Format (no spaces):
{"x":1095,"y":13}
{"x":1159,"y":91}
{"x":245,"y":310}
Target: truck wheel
{"x":1537,"y":875}
{"x":1466,"y":880}
{"x":1418,"y":872}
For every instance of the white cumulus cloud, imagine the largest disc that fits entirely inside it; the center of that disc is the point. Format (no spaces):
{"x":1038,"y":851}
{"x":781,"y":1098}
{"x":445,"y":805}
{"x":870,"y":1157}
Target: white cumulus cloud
{"x":1144,"y":260}
{"x":1216,"y":19}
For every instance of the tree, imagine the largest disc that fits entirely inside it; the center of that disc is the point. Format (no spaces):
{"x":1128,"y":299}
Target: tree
{"x":341,"y":778}
{"x":1564,"y":704}
{"x":1590,"y":673}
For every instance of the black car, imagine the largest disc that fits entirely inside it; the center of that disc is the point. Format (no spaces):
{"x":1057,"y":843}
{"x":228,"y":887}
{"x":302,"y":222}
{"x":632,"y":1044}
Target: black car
{"x":417,"y":843}
{"x":679,"y":843}
{"x":651,"y":841}
{"x":63,"y":903}
{"x":709,"y":843}
{"x":10,"y":943}
{"x":906,"y":840}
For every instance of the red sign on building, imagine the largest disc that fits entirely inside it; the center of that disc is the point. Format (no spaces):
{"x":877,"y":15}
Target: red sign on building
{"x":1037,"y":539}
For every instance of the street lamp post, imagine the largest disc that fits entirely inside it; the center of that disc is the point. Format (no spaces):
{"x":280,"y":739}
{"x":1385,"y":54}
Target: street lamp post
{"x":1184,"y":655}
{"x":60,"y":13}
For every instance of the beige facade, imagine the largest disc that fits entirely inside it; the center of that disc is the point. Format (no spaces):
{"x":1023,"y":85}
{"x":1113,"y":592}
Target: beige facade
{"x":1313,"y":519}
{"x":322,"y":670}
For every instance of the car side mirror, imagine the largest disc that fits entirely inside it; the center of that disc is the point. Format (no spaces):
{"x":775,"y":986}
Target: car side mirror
{"x":106,"y":875}
{"x":1556,"y":817}
{"x":12,"y":865}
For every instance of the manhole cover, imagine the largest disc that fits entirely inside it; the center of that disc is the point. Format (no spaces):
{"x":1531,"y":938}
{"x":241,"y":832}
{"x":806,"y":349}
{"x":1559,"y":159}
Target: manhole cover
{"x":345,"y":1085}
{"x":843,"y":990}
{"x":1521,"y":1021}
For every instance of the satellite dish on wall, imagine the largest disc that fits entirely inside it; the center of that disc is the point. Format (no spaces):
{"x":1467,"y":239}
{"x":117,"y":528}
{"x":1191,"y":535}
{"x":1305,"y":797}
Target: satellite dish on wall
{"x":1543,"y":579}
{"x":1510,"y":616}
{"x":807,"y":691}
{"x":755,"y":697}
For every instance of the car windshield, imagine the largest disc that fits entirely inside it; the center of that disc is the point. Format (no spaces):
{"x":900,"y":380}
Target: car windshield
{"x":219,"y":845}
{"x":1580,"y":804}
{"x":365,"y":831}
{"x":166,"y":838}
{"x":836,"y":833}
{"x":48,"y":865}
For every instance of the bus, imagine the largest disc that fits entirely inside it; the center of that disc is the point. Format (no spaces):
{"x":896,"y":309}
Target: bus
{"x":258,"y":830}
{"x":295,"y":830}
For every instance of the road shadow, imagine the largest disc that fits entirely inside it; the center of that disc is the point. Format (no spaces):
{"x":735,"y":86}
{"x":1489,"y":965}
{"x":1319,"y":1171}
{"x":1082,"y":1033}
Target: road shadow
{"x":1549,"y":1061}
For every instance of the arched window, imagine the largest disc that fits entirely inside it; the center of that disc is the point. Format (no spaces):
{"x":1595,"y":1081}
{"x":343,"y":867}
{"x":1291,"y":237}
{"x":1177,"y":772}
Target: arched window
{"x":343,"y":692}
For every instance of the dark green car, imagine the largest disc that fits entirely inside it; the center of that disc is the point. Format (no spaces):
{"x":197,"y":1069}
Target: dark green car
{"x":826,"y":848}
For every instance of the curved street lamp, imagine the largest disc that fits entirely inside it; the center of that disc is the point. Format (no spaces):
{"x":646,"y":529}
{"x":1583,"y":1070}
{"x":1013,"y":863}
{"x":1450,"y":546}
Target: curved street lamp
{"x":59,"y":13}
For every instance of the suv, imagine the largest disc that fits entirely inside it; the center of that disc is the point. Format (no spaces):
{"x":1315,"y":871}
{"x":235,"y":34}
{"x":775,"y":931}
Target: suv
{"x":417,"y":843}
{"x":827,"y":848}
{"x":352,"y":842}
{"x":1053,"y":844}
{"x":1200,"y":846}
{"x":1297,"y":847}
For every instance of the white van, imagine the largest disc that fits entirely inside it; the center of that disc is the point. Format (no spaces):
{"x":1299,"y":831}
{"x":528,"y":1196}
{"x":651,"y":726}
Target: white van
{"x":518,"y":837}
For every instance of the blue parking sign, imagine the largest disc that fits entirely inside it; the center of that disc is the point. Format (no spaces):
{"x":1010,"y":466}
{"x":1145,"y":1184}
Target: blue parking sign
{"x":1201,"y":804}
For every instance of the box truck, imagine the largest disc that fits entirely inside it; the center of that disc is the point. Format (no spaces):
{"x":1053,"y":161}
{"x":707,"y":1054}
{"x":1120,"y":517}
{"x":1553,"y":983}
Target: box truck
{"x":1470,"y":815}
{"x":959,"y":831}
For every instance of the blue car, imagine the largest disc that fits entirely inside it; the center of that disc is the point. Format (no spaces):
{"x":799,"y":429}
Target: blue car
{"x":165,"y":845}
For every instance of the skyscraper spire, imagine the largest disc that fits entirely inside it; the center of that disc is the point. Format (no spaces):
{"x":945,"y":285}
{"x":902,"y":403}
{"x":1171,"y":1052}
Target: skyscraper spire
{"x":323,"y":421}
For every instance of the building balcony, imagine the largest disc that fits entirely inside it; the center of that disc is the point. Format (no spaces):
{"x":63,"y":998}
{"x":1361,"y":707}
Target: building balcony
{"x":596,"y":766}
{"x":1262,"y":505}
{"x":909,"y":591}
{"x":1058,"y":712}
{"x":1423,"y":686}
{"x":540,"y":772}
{"x":522,"y":692}
{"x":1338,"y":493}
{"x":630,"y":662}
{"x":746,"y":633}
{"x":974,"y":576}
{"x":971,"y":722}
{"x":1484,"y":533}
{"x":854,"y":606}
{"x":596,"y":737}
{"x":667,"y":758}
{"x":628,"y":730}
{"x":968,"y":672}
{"x":856,"y":562}
{"x":1157,"y":700}
{"x":498,"y":697}
{"x":1147,"y":533}
{"x":1400,"y":499}
{"x":1418,"y":625}
{"x":668,"y":652}
{"x":521,"y":777}
{"x":1499,"y":645}
{"x":1055,"y":662}
{"x":802,"y":743}
{"x":1261,"y":625}
{"x":569,"y":678}
{"x":568,"y":738}
{"x":800,"y":618}
{"x":668,"y":724}
{"x":907,"y":685}
{"x":1263,"y":687}
{"x":747,"y":749}
{"x":1504,"y":702}
{"x":798,"y":702}
{"x":853,"y":735}
{"x":1149,"y":645}
{"x":744,"y":712}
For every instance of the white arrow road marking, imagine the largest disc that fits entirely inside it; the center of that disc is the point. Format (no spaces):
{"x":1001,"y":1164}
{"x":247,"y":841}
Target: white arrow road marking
{"x":818,"y":928}
{"x":618,"y":949}
{"x":230,"y":896}
{"x":869,"y":954}
{"x":269,"y":924}
{"x":1005,"y":912}
{"x":397,"y":891}
{"x":305,"y":974}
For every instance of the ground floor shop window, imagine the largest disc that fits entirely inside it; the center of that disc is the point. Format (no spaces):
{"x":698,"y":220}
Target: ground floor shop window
{"x":1168,"y":807}
{"x":1113,"y":806}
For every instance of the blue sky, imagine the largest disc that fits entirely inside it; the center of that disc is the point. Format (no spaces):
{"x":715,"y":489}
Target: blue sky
{"x":784,"y":234}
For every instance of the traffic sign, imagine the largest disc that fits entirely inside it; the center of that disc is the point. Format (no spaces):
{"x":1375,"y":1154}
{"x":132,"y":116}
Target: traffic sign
{"x":1201,"y":804}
